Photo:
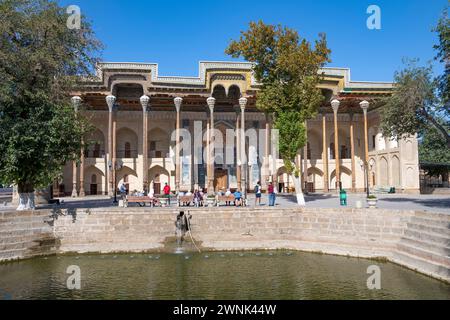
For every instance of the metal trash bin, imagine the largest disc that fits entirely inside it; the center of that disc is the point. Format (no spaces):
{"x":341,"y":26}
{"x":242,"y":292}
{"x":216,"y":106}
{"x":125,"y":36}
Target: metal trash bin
{"x":343,"y":197}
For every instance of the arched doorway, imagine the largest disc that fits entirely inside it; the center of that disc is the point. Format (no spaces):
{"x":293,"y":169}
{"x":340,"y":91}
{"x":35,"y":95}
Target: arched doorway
{"x":93,"y":186}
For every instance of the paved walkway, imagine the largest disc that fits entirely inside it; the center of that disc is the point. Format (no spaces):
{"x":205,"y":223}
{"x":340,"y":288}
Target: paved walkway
{"x":432,"y":203}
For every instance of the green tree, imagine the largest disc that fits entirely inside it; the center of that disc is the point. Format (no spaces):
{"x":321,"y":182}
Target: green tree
{"x":287,"y":67}
{"x":40,"y":62}
{"x":420,"y":100}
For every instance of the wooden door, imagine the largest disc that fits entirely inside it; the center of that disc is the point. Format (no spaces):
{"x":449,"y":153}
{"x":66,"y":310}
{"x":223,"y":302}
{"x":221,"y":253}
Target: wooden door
{"x":220,"y":180}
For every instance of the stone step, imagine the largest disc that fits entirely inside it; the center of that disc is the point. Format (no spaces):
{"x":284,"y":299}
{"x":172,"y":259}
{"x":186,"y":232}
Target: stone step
{"x":431,"y":222}
{"x":433,"y":216}
{"x":427,"y":228}
{"x":427,"y":236}
{"x":442,"y":259}
{"x":422,"y":265}
{"x":427,"y":245}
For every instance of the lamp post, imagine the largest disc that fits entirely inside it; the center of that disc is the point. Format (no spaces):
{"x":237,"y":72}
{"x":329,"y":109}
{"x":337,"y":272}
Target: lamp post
{"x":117,"y":166}
{"x":364,"y":165}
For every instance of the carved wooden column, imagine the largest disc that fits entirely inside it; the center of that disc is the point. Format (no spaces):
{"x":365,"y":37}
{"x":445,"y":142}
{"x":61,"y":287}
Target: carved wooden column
{"x":211,"y":103}
{"x":243,"y":104}
{"x":82,"y":191}
{"x":352,"y":147}
{"x":326,"y":184}
{"x":238,"y":148}
{"x":208,"y":155}
{"x":267,"y":152}
{"x":365,"y":106}
{"x":335,"y":105}
{"x":110,"y":100}
{"x":178,"y":164}
{"x":76,"y":101}
{"x":305,"y":159}
{"x":144,"y":103}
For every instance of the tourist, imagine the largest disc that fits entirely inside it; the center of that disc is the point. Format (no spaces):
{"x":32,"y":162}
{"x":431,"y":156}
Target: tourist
{"x":258,"y":193}
{"x":122,"y":189}
{"x":271,"y":192}
{"x":166,"y":191}
{"x":238,"y":198}
{"x":228,"y":195}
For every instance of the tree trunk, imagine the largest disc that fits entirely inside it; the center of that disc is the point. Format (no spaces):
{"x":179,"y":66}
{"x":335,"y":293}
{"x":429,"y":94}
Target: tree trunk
{"x":298,"y":191}
{"x":26,"y":196}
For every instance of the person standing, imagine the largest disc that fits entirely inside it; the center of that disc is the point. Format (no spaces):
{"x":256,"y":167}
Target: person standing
{"x":258,"y":193}
{"x":166,"y":191}
{"x":271,"y":192}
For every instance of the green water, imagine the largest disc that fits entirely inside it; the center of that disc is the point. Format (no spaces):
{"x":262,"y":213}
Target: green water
{"x":229,"y":275}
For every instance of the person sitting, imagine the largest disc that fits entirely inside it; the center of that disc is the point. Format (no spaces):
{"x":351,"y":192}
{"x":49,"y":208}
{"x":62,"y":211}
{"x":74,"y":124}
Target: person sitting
{"x":238,"y":198}
{"x":122,"y":190}
{"x":227,"y":194}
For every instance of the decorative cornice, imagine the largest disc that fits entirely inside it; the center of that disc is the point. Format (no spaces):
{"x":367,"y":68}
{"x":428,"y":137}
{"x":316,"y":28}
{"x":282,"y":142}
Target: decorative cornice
{"x":205,"y":66}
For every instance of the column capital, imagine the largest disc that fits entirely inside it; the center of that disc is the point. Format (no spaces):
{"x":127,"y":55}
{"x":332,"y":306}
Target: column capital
{"x":110,"y":101}
{"x":178,"y":101}
{"x":365,"y":106}
{"x":211,"y":101}
{"x":243,"y":103}
{"x":76,"y":101}
{"x":145,"y":100}
{"x":335,"y":105}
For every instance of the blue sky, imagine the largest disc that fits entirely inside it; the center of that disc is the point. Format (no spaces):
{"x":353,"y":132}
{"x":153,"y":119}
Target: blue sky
{"x":178,"y":34}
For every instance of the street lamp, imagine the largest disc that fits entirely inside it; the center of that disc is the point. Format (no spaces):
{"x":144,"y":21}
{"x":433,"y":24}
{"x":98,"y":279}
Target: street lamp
{"x":117,"y":166}
{"x":364,"y":166}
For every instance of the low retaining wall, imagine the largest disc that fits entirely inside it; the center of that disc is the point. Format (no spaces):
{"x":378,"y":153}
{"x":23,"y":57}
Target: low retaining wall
{"x":417,"y":240}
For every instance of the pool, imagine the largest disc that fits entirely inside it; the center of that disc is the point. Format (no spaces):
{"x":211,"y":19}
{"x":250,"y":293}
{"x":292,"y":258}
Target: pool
{"x":272,"y":275}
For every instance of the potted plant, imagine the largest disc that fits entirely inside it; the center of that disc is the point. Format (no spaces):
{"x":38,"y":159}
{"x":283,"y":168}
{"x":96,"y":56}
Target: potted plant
{"x":210,"y":200}
{"x":372,"y":201}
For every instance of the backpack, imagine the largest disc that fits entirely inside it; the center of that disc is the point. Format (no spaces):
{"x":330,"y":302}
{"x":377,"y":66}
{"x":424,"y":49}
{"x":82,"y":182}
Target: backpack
{"x":256,"y":189}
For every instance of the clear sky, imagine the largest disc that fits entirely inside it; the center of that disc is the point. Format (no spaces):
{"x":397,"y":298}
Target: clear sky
{"x":178,"y":34}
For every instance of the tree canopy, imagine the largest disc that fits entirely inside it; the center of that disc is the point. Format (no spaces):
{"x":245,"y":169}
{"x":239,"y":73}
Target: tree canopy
{"x":287,"y":67}
{"x":421,"y":100}
{"x":40,"y":62}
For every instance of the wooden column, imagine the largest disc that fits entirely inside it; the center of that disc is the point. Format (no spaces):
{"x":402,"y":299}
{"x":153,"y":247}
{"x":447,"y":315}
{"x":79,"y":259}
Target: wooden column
{"x":238,"y":149}
{"x":365,"y":106}
{"x":352,"y":147}
{"x":211,"y":102}
{"x":114,"y":153}
{"x":110,"y":100}
{"x":326,"y":184}
{"x":74,"y":179}
{"x":267,"y":153}
{"x":305,"y":159}
{"x":243,"y":104}
{"x":82,"y":191}
{"x":335,"y":105}
{"x":178,"y":165}
{"x":144,"y":103}
{"x":76,"y":101}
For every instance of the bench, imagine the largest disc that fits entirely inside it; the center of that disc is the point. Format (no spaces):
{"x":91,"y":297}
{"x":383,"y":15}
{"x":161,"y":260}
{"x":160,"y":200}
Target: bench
{"x":185,"y":199}
{"x":225,"y":199}
{"x":140,"y":200}
{"x":380,"y":190}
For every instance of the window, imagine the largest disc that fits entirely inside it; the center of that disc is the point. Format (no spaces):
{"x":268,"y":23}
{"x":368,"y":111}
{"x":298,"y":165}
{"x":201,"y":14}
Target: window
{"x":127,"y":150}
{"x":96,"y":150}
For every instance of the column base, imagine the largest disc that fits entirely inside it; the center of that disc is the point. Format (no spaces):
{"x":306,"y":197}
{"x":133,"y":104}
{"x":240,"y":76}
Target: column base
{"x":82,"y":193}
{"x":74,"y":193}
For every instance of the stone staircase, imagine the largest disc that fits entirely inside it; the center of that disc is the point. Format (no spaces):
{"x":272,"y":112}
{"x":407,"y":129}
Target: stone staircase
{"x":25,"y":234}
{"x":425,"y":245}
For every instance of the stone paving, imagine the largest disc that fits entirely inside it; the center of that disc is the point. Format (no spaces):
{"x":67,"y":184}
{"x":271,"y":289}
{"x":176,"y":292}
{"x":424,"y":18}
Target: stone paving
{"x":431,"y":203}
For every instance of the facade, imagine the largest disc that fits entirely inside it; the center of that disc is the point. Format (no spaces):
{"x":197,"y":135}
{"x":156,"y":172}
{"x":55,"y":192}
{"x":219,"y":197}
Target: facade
{"x":136,"y":114}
